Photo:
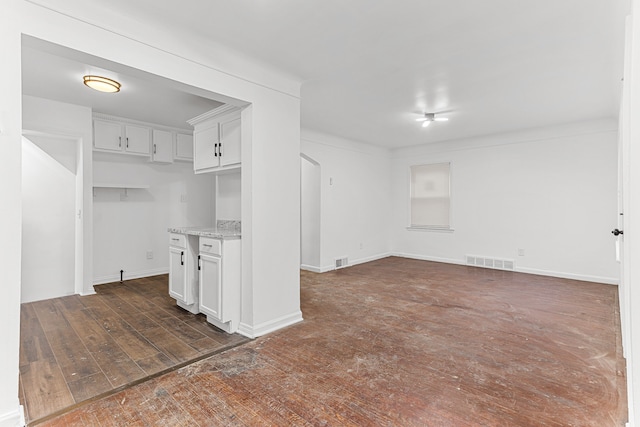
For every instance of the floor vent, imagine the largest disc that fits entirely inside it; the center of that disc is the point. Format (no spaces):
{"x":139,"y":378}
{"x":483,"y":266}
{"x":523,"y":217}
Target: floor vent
{"x":342,"y":262}
{"x":496,"y":263}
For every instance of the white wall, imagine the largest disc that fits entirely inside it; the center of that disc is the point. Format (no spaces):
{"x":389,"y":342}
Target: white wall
{"x":354,"y":198}
{"x":48,"y":219}
{"x":10,"y":211}
{"x":550,"y":192}
{"x":228,"y":196}
{"x":270,"y":197}
{"x":127,"y":224}
{"x":310,"y":210}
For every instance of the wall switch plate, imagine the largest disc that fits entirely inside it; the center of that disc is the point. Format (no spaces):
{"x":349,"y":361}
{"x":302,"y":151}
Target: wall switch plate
{"x":149,"y":254}
{"x":183,"y":198}
{"x":520,"y":252}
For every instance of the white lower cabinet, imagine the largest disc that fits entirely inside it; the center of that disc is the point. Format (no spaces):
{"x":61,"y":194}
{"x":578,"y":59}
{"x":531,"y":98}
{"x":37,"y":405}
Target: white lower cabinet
{"x":183,"y":277}
{"x":219,"y":265}
{"x":210,"y":286}
{"x":205,"y":277}
{"x":177,"y":273}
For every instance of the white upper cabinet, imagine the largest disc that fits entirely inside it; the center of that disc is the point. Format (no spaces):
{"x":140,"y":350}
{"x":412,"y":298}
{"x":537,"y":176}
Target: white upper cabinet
{"x":137,"y":139}
{"x":229,"y":148}
{"x":205,"y":146}
{"x":184,"y":147}
{"x":107,"y":135}
{"x":162,"y":146}
{"x":217,"y":140}
{"x":121,"y":137}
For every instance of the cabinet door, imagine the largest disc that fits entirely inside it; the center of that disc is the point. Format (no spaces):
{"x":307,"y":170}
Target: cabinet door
{"x":177,"y":273}
{"x":230,"y":142}
{"x":184,"y":147}
{"x":162,"y":146}
{"x":107,"y":135}
{"x":210,"y":286}
{"x":205,"y":153}
{"x":137,"y":139}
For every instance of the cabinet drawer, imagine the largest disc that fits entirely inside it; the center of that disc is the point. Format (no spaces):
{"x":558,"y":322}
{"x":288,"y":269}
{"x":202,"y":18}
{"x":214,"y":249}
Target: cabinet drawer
{"x":179,"y":240}
{"x":210,"y":246}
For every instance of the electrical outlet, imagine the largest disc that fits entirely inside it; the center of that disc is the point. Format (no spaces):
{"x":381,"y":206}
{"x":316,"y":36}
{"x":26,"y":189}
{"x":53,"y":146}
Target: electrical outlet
{"x":520,"y":252}
{"x":361,"y":245}
{"x":149,"y":254}
{"x":183,"y":198}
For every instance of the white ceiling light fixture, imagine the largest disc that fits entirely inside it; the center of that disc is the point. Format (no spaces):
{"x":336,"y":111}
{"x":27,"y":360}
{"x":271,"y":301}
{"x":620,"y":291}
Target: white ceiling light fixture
{"x":430,"y":117}
{"x":102,"y":84}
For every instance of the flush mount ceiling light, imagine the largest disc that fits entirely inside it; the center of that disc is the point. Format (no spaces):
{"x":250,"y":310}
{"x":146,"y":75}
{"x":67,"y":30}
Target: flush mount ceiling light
{"x":430,"y":117}
{"x":102,"y":84}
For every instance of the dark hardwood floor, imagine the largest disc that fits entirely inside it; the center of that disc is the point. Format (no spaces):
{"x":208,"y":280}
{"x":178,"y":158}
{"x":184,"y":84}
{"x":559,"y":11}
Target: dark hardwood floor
{"x":77,"y":348}
{"x":400,"y":342}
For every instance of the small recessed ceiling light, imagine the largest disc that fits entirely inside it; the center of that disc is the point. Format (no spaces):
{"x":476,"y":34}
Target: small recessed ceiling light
{"x":430,"y":117}
{"x":102,"y":84}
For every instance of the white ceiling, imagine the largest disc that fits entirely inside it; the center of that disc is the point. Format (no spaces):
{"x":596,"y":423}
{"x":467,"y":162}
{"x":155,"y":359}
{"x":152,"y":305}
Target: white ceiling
{"x":56,"y":73}
{"x":370,"y":67}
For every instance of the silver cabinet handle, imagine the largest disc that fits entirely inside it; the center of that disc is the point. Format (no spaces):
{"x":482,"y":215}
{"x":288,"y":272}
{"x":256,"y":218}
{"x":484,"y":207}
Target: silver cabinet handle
{"x":119,"y":141}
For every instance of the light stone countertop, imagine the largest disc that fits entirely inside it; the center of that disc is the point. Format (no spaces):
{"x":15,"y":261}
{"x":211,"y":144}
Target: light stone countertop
{"x":215,"y":232}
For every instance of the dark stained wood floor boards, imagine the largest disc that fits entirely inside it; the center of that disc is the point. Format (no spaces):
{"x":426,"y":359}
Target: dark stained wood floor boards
{"x":76,"y":348}
{"x":400,"y":342}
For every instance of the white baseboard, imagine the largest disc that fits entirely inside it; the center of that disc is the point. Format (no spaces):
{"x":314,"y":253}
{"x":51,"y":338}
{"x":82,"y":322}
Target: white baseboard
{"x":130,"y":275}
{"x":562,"y":275}
{"x":310,"y":268}
{"x":327,"y":268}
{"x":351,"y":262}
{"x":428,"y":258}
{"x":559,"y":274}
{"x":269,"y":326}
{"x":13,"y":418}
{"x":370,"y":258}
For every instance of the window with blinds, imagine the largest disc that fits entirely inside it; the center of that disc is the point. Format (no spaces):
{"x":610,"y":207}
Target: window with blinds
{"x":430,"y":194}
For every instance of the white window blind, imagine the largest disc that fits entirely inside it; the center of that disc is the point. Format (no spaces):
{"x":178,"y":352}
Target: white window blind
{"x":431,"y":196}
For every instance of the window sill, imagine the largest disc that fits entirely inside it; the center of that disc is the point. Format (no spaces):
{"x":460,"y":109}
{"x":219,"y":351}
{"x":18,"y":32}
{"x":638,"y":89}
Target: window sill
{"x":435,"y":229}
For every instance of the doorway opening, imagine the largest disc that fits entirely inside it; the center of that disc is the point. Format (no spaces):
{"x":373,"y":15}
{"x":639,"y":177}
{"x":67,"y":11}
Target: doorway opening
{"x":310,"y":220}
{"x":51,"y":216}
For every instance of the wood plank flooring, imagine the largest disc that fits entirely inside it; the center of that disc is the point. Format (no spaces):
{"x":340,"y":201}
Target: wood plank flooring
{"x":76,"y":348}
{"x":400,"y":342}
